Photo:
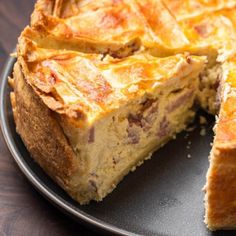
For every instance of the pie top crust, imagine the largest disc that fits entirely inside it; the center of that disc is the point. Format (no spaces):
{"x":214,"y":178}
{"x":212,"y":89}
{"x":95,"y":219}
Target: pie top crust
{"x":103,"y":41}
{"x":87,"y":86}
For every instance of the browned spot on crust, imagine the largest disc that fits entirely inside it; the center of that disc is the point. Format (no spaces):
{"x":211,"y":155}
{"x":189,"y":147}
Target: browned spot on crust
{"x":202,"y":30}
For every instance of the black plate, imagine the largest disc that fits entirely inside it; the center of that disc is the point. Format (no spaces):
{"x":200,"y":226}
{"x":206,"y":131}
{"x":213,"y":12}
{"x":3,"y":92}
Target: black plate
{"x":162,"y":197}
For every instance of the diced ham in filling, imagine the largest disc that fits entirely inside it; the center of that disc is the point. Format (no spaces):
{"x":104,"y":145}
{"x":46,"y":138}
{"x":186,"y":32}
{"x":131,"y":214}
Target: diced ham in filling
{"x":91,"y":135}
{"x":135,"y":120}
{"x":133,"y":135}
{"x":164,"y":128}
{"x":180,"y":101}
{"x":148,"y":114}
{"x":202,"y":30}
{"x":143,"y":120}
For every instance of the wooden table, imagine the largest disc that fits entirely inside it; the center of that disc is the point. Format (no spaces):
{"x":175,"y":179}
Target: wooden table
{"x":22,"y":210}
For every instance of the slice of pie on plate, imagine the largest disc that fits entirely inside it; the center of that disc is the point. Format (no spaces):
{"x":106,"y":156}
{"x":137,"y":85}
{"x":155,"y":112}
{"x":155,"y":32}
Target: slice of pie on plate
{"x":104,"y":109}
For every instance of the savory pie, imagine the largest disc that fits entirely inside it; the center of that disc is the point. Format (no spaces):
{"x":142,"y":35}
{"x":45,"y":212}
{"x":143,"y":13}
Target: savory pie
{"x":98,"y":86}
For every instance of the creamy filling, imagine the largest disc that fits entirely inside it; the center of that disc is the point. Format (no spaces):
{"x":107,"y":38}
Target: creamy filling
{"x":143,"y":122}
{"x":209,"y":88}
{"x":124,"y":139}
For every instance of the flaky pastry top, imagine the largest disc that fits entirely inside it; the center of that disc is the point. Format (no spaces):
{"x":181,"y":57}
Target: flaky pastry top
{"x":86,"y":58}
{"x":88,"y":86}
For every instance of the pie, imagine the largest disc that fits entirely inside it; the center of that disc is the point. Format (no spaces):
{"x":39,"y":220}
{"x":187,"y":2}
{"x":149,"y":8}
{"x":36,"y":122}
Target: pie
{"x":98,"y":86}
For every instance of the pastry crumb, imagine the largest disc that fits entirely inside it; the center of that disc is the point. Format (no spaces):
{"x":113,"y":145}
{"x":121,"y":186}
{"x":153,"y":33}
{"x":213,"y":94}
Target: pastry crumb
{"x":189,"y":144}
{"x":203,"y":131}
{"x":133,"y":89}
{"x":186,"y":136}
{"x":190,"y":129}
{"x":202,"y":120}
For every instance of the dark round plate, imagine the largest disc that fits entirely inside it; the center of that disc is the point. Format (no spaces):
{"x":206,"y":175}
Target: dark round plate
{"x":162,"y":197}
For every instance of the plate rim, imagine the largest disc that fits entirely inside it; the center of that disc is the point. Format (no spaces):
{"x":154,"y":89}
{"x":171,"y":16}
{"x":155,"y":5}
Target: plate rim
{"x":45,"y":191}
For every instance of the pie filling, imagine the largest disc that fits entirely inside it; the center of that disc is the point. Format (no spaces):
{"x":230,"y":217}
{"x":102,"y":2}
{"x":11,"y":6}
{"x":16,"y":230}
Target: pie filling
{"x":146,"y":128}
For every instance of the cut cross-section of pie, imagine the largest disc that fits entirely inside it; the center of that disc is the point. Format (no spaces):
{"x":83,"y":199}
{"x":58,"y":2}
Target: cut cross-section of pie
{"x":105,"y":109}
{"x":212,"y":34}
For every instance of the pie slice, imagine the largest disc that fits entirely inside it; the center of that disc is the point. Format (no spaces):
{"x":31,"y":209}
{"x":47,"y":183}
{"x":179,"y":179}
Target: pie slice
{"x":220,"y":201}
{"x":136,"y":103}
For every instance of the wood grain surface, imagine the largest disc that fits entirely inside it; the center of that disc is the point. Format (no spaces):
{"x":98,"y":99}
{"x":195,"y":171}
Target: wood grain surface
{"x":22,"y":210}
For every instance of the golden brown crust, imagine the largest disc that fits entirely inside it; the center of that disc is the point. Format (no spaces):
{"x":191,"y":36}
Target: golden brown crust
{"x":107,"y":28}
{"x":221,"y":178}
{"x":85,"y":87}
{"x":165,"y":29}
{"x":41,"y":132}
{"x":221,"y":189}
{"x":44,"y":138}
{"x":183,"y":9}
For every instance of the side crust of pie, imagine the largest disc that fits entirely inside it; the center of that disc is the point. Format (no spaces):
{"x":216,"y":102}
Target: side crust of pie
{"x":220,"y":200}
{"x":42,"y":134}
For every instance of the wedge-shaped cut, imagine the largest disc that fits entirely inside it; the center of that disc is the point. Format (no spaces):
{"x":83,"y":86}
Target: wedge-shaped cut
{"x":221,"y":178}
{"x":212,"y":34}
{"x":136,"y":103}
